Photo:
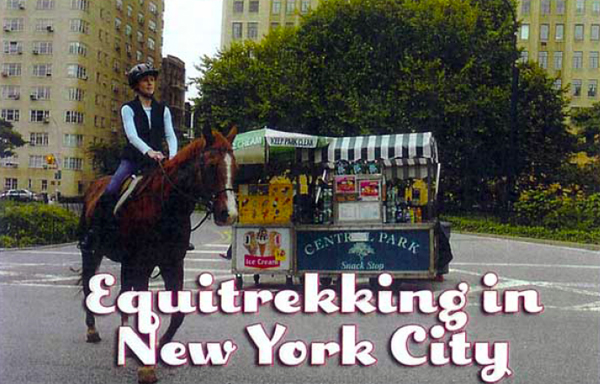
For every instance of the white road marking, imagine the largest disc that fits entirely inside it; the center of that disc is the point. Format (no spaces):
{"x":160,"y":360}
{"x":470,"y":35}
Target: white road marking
{"x":527,"y":265}
{"x":219,"y":260}
{"x":521,"y":242}
{"x":201,"y":252}
{"x":217,"y":245}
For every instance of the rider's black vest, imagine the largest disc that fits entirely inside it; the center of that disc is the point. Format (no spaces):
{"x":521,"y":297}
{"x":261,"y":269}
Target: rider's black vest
{"x":153,"y":137}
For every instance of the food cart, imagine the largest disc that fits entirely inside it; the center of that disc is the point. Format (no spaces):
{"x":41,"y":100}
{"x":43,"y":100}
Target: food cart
{"x":369,"y":207}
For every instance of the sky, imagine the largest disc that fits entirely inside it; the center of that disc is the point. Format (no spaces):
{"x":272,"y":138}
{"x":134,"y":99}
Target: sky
{"x":192,"y":29}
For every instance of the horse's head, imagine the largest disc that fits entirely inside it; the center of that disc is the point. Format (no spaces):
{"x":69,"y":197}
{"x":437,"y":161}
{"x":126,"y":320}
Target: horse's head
{"x":219,"y":168}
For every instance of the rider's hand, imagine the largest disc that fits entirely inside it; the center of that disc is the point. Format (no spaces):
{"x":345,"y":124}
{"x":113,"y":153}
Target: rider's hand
{"x":155,"y":155}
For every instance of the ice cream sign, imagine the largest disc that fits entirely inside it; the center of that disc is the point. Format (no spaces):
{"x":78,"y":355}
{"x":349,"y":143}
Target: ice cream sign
{"x":263,"y":248}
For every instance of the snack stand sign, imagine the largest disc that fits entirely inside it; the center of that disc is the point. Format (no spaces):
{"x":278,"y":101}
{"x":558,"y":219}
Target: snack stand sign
{"x":263,"y":248}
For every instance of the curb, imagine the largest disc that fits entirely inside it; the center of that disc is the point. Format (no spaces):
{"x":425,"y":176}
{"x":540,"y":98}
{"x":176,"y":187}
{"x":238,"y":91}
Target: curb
{"x":40,"y":247}
{"x":589,"y":247}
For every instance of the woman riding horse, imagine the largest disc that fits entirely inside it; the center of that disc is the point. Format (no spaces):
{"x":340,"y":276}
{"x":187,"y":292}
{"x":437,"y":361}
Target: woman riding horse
{"x":146,"y":123}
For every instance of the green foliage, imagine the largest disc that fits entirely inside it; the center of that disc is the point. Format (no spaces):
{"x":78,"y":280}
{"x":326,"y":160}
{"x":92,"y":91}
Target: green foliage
{"x":29,"y":224}
{"x":105,"y":155}
{"x":9,"y":139}
{"x":478,"y":224}
{"x":397,"y":66}
{"x":587,"y":120}
{"x":558,"y":209}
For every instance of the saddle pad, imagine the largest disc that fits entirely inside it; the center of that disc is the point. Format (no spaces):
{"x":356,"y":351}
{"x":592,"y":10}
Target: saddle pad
{"x":129,"y":188}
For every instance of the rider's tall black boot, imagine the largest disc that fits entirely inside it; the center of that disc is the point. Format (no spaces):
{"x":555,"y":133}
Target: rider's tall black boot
{"x":103,"y":224}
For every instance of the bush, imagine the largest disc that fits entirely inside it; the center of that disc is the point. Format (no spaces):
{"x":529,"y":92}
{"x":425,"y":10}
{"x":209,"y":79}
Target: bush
{"x":29,"y":224}
{"x":555,"y":208}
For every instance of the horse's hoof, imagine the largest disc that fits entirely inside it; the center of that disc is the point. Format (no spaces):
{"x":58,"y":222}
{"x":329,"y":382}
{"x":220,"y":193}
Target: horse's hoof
{"x":93,"y":336}
{"x":147,"y":375}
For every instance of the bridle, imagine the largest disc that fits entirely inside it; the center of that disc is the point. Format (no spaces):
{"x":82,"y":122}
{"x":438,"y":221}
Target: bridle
{"x":207,"y":202}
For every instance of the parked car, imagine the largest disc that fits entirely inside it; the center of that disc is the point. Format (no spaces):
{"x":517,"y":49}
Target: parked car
{"x":18,"y":195}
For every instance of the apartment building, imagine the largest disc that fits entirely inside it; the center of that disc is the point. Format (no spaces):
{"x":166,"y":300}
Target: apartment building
{"x":253,"y":19}
{"x":172,"y":84}
{"x":62,"y":82}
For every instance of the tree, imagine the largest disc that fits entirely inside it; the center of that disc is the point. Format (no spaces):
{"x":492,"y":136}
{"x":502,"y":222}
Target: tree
{"x":105,"y":155}
{"x":356,"y":67}
{"x":9,"y":139}
{"x":587,"y":121}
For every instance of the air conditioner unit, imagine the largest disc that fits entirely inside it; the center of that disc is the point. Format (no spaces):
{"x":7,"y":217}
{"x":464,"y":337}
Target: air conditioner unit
{"x":36,"y":52}
{"x":21,"y":5}
{"x":84,"y":77}
{"x":48,"y":74}
{"x":46,"y":120}
{"x":33,"y":97}
{"x":7,"y":28}
{"x":4,"y":74}
{"x":16,"y":97}
{"x":19,"y":52}
{"x":50,"y":28}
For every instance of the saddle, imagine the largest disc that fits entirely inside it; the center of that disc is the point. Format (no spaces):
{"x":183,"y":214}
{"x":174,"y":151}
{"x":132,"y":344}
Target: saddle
{"x":126,"y":190}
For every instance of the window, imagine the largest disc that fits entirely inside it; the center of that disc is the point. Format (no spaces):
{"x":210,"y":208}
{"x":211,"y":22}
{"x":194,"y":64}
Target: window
{"x":151,"y":44}
{"x":39,"y":116}
{"x":543,"y":59}
{"x":592,"y":88}
{"x":576,"y":87}
{"x":10,"y":183}
{"x":73,"y":163}
{"x":150,"y":60}
{"x":118,"y":23}
{"x":40,"y":93}
{"x":45,"y":4}
{"x":525,"y":7}
{"x":525,"y":32}
{"x":596,"y":8}
{"x":42,"y":48}
{"x":578,"y":31}
{"x":253,"y":8}
{"x":77,"y":71}
{"x":13,"y":47}
{"x":290,"y":6}
{"x":577,"y":60}
{"x":139,"y":55}
{"x":36,"y":161}
{"x":524,"y":56}
{"x":252,"y":30}
{"x":78,"y":48}
{"x":13,"y":4}
{"x":544,"y":32}
{"x":71,"y":140}
{"x":558,"y":59}
{"x":10,"y":92}
{"x":117,"y":45}
{"x":560,"y":7}
{"x":557,"y":84}
{"x":274,"y":25}
{"x":238,"y":7}
{"x":38,"y":139}
{"x":153,"y":8}
{"x":128,"y":30}
{"x":594,"y":60}
{"x":10,"y":114}
{"x":580,"y":7}
{"x":141,"y":18}
{"x":73,"y":117}
{"x":11,"y":69}
{"x":305,"y":6}
{"x":140,"y":37}
{"x":80,"y":5}
{"x":560,"y":32}
{"x":119,"y":4}
{"x":236,"y":30}
{"x":595,"y":32}
{"x":80,"y":26}
{"x":44,"y":185}
{"x":545,"y":7}
{"x":276,"y":7}
{"x":129,"y":11}
{"x":42,"y":70}
{"x":152,"y":25}
{"x":13,"y":25}
{"x":44,"y":25}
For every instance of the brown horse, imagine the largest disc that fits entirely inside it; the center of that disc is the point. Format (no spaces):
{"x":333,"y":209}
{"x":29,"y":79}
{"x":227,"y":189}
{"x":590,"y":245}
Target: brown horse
{"x":154,"y":225}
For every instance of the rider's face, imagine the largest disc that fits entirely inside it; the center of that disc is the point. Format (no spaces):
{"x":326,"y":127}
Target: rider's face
{"x":146,"y":85}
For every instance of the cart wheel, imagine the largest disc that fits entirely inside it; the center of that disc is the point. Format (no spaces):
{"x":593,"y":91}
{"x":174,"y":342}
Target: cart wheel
{"x":439,"y":278}
{"x":325,"y":281}
{"x":239,"y":282}
{"x":289,"y":281}
{"x":256,"y":279}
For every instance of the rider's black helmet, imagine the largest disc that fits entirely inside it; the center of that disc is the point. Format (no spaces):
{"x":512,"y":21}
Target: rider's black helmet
{"x":139,"y":71}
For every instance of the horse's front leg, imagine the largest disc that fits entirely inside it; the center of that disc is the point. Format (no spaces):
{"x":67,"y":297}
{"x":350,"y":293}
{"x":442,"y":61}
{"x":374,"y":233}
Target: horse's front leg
{"x":173,"y":276}
{"x":89,"y":265}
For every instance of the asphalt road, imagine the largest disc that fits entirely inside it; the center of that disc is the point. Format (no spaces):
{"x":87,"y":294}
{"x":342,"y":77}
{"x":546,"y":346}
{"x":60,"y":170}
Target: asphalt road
{"x":42,"y":330}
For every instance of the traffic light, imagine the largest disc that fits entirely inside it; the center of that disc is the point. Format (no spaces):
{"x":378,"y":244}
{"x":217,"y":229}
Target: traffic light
{"x":50,"y":159}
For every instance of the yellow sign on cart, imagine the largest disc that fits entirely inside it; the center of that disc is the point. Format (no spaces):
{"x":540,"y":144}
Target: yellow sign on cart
{"x":274,"y":208}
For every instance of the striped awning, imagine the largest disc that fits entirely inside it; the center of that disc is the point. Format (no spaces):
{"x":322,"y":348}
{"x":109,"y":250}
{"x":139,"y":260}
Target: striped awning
{"x":393,"y":150}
